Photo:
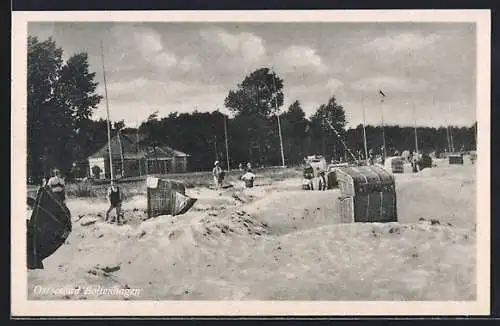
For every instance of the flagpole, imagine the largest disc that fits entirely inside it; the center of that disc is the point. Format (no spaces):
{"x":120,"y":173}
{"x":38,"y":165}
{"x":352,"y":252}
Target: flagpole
{"x":278,"y":118}
{"x":227,"y":147}
{"x":451,"y":139}
{"x":107,"y":114}
{"x":364,"y":130}
{"x":121,"y":151}
{"x":138,"y":148}
{"x":383,"y":128}
{"x":215,"y":148}
{"x":450,"y":133}
{"x":415,"y":127}
{"x":448,"y":136}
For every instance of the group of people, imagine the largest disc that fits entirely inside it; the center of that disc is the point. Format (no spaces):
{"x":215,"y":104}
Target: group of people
{"x":218,"y":174}
{"x":310,"y":175}
{"x":57,"y":186}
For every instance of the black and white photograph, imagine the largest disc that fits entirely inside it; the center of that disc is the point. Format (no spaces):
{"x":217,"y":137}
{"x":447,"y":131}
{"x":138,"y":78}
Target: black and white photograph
{"x":337,"y":161}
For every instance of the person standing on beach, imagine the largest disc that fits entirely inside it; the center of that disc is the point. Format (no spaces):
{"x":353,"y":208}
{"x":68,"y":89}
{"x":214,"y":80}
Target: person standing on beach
{"x":57,"y":186}
{"x":248,"y":178}
{"x":323,"y":184}
{"x":115,"y":202}
{"x":414,"y":162}
{"x":217,"y":174}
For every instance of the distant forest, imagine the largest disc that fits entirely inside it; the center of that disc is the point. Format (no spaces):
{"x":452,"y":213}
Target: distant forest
{"x":62,"y":132}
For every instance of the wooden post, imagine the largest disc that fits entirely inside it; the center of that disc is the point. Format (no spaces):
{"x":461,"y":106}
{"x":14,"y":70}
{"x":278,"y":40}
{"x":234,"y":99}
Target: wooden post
{"x":227,"y":147}
{"x":364,"y":132}
{"x":107,"y":115}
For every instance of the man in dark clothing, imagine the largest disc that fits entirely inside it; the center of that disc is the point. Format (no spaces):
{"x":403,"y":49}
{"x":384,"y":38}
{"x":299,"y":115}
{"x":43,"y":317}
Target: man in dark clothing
{"x":308,"y":176}
{"x":115,"y":202}
{"x":323,"y":184}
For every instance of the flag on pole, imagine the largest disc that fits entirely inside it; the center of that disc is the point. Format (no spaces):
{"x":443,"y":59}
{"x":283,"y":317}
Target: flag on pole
{"x":382,"y":94}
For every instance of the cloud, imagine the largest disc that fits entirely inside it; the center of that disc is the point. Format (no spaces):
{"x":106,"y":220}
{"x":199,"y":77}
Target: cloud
{"x":230,"y":41}
{"x":189,"y":63}
{"x":389,"y":84}
{"x":334,"y":84}
{"x":145,"y":41}
{"x":402,"y":42}
{"x":166,"y":59}
{"x":172,"y":67}
{"x":128,"y":86}
{"x":166,"y":92}
{"x":128,"y":102}
{"x":149,"y":41}
{"x":301,"y":57}
{"x":42,"y":30}
{"x":250,"y":46}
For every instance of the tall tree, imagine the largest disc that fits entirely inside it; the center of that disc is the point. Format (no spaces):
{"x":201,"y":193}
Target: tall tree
{"x":259,"y":94}
{"x":44,"y":63}
{"x":255,"y":102}
{"x":75,"y":90}
{"x":326,"y":140}
{"x":294,"y":128}
{"x":93,"y":135}
{"x":60,"y":103}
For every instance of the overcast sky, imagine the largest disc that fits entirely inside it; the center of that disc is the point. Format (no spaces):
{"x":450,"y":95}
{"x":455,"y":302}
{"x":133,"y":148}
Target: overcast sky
{"x":185,"y":66}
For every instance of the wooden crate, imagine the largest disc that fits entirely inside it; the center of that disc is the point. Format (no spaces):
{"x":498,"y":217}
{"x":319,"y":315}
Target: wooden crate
{"x":367,"y":194}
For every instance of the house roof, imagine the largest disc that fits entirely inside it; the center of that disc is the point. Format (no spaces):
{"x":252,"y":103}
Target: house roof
{"x":129,"y":143}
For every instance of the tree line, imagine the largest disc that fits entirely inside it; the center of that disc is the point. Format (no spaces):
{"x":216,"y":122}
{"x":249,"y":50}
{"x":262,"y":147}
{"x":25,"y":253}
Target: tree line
{"x":61,"y":131}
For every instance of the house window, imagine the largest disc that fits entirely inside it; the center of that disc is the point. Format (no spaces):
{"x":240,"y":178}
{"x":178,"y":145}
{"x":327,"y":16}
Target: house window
{"x":153,"y":166}
{"x":179,"y":165}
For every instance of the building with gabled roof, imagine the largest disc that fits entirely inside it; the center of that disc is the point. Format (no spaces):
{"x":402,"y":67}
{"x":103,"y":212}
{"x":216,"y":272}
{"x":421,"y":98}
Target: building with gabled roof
{"x":132,"y":158}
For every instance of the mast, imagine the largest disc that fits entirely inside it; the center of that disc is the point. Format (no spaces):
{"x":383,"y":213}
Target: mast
{"x":137,"y":147}
{"x":107,"y":114}
{"x":415,"y":127}
{"x":227,"y":147}
{"x":279,"y":124}
{"x":383,"y":128}
{"x":364,"y":130}
{"x":451,"y":139}
{"x":449,"y":130}
{"x":448,"y":137}
{"x":215,"y":148}
{"x":121,"y":152}
{"x":340,"y":138}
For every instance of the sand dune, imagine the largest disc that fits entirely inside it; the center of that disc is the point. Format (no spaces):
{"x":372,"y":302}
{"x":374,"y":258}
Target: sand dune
{"x":276,"y":242}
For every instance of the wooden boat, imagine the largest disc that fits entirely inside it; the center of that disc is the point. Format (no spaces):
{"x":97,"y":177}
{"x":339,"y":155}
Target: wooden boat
{"x":47,"y":228}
